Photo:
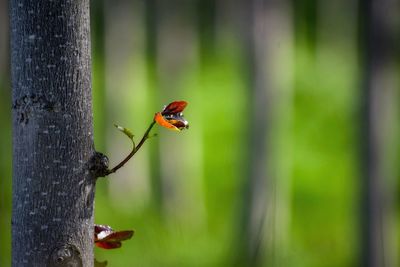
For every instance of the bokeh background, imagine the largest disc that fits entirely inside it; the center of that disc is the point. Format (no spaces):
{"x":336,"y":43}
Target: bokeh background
{"x":291,"y":158}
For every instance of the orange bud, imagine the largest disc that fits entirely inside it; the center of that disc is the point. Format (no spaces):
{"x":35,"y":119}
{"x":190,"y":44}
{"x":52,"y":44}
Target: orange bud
{"x":171,"y":116}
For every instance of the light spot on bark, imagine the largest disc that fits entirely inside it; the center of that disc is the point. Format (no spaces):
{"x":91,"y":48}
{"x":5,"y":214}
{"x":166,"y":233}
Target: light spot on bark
{"x":44,"y":227}
{"x":63,"y":167}
{"x":44,"y":193}
{"x":45,"y":131}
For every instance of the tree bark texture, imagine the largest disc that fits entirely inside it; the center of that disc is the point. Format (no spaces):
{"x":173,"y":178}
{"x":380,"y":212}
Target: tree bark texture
{"x":53,"y":189}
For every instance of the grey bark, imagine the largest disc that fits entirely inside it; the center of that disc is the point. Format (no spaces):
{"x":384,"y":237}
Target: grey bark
{"x":53,"y":189}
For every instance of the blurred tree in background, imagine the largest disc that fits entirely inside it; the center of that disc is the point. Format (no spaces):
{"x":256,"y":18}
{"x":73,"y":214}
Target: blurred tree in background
{"x":291,"y":158}
{"x":378,"y":133}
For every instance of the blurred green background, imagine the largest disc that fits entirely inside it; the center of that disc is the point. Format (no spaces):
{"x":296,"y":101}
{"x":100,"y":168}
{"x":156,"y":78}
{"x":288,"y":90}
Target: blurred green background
{"x":271,"y":171}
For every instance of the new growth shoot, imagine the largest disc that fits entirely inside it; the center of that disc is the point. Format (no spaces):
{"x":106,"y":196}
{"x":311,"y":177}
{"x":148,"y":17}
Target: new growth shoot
{"x":171,"y":117}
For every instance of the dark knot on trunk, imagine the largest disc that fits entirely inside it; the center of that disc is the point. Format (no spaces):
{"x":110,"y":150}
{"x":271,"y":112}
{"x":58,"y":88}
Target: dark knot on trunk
{"x":65,"y":255}
{"x":99,"y":165}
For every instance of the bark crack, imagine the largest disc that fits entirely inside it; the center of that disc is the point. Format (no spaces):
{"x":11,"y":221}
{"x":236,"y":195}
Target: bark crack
{"x":27,"y":104}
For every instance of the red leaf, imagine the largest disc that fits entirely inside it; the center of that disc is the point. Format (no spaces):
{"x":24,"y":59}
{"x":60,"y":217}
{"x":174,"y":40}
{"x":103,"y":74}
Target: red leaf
{"x":105,"y":237}
{"x":98,"y":228}
{"x":115,"y":236}
{"x":174,"y":107}
{"x":172,"y":117}
{"x":108,"y":245}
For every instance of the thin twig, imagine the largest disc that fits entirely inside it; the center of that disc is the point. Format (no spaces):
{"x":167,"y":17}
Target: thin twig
{"x":134,"y":149}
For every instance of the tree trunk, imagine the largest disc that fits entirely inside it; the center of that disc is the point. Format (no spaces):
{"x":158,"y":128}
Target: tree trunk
{"x":53,"y":188}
